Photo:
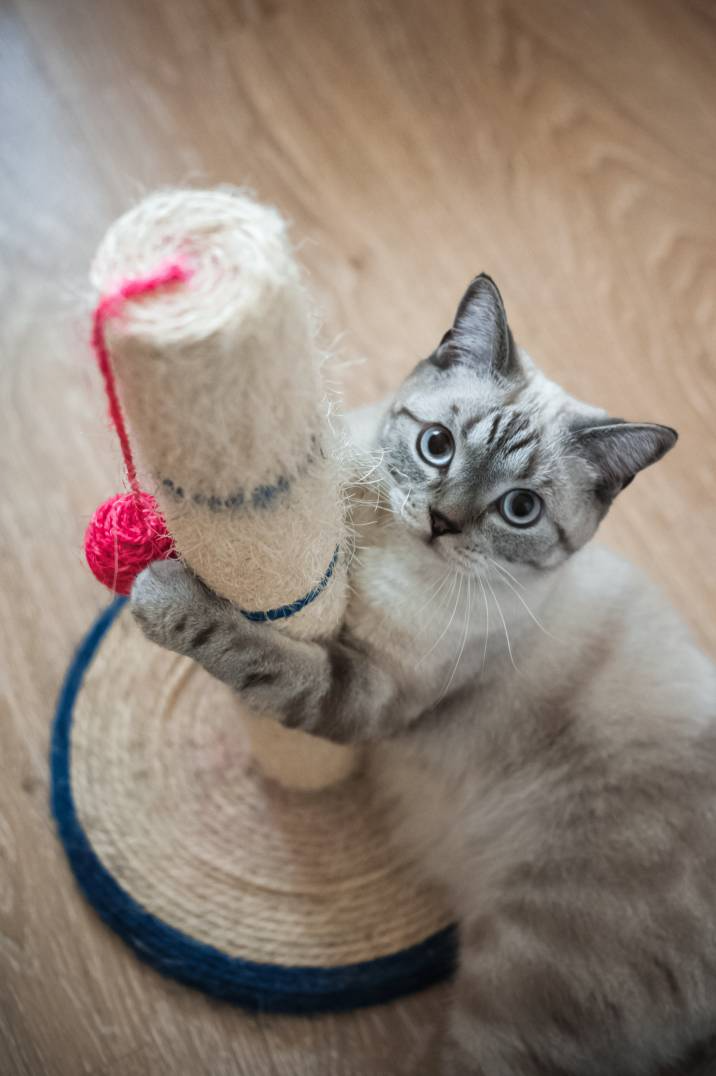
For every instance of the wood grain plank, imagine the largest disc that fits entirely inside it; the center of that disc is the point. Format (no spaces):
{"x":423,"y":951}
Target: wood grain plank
{"x":567,"y":148}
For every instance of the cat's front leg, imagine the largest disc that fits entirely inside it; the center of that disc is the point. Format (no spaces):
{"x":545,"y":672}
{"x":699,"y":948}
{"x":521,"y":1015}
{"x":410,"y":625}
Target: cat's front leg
{"x":331,"y":689}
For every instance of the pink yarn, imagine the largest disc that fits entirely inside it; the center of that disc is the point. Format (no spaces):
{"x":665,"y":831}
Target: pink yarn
{"x":128,"y":531}
{"x":124,"y":536}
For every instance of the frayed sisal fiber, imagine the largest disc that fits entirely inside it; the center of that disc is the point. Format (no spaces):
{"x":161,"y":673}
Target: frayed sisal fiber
{"x":220,"y":381}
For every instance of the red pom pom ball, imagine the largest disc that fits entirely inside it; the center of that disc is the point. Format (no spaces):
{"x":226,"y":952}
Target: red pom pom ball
{"x":124,"y":536}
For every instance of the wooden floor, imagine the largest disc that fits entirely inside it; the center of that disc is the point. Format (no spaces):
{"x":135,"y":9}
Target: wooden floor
{"x":565,"y":146}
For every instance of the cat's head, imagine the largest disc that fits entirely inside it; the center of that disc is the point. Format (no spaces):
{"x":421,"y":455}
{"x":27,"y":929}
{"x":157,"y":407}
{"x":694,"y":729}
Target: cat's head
{"x":486,"y":458}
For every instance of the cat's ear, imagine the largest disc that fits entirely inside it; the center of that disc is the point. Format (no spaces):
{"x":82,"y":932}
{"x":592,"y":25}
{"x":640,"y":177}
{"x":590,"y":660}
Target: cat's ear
{"x":618,"y":450}
{"x":480,"y":336}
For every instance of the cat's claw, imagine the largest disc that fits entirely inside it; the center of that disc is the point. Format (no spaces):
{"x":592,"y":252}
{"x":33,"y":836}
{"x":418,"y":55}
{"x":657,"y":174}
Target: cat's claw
{"x":166,"y":601}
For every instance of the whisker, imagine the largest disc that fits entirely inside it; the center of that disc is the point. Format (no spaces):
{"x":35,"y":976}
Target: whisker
{"x":435,"y":590}
{"x":532,"y":616}
{"x":440,"y":637}
{"x":508,"y":573}
{"x":464,"y":640}
{"x":405,"y":501}
{"x":504,"y":623}
{"x":487,"y":623}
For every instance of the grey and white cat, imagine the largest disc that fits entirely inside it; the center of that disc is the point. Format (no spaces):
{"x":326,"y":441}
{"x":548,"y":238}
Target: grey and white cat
{"x":544,"y":729}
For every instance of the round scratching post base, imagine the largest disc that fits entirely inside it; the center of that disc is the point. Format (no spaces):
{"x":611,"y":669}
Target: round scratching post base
{"x":256,"y":893}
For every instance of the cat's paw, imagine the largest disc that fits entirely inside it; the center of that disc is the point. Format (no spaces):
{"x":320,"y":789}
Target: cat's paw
{"x":168,"y":601}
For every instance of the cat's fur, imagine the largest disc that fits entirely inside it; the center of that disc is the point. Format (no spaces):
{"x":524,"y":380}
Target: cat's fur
{"x":562,"y":783}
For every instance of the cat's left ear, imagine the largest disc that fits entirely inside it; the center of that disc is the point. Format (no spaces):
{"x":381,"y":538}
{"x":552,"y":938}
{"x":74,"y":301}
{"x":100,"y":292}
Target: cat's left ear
{"x":619,"y":450}
{"x":480,"y":336}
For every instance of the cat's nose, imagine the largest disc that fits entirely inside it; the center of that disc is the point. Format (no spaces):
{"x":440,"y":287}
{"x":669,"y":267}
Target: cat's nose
{"x":440,"y":524}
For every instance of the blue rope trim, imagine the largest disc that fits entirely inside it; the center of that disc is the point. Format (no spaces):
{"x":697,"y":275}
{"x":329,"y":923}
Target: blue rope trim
{"x":283,"y":612}
{"x":259,"y":987}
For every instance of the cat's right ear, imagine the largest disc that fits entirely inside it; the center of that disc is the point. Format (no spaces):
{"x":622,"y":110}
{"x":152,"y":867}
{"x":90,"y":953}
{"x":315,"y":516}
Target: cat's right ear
{"x":480,"y":336}
{"x":618,"y":450}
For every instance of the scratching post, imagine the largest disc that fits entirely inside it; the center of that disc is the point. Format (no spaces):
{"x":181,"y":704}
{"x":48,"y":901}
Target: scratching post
{"x":247,"y":889}
{"x":219,"y":377}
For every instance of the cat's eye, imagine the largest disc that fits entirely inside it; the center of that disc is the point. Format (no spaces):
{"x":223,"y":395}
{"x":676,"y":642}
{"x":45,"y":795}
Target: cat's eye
{"x":520,"y":507}
{"x":436,"y":446}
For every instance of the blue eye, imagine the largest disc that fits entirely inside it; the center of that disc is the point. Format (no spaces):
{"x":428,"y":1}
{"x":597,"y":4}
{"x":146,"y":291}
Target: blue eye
{"x":436,"y":446}
{"x":520,"y":507}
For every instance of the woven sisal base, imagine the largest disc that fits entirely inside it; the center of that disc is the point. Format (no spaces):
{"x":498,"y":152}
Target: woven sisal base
{"x":277,"y":900}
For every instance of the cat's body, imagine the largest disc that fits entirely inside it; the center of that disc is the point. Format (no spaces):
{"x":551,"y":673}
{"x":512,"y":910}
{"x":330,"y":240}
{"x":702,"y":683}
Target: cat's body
{"x":562,"y":784}
{"x":558,"y":822}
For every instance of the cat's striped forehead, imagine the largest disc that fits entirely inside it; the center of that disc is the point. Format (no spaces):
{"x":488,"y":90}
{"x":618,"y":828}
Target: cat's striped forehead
{"x":498,"y":429}
{"x":507,"y":433}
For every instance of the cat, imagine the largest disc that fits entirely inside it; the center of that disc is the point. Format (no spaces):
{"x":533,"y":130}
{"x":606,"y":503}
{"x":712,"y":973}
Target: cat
{"x":542,"y":727}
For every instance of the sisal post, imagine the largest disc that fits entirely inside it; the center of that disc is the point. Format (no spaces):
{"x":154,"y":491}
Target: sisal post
{"x":220,"y":380}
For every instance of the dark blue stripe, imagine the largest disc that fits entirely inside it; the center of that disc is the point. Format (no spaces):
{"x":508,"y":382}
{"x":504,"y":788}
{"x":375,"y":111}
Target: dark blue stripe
{"x":285,"y":611}
{"x":262,"y":496}
{"x":260,"y":987}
